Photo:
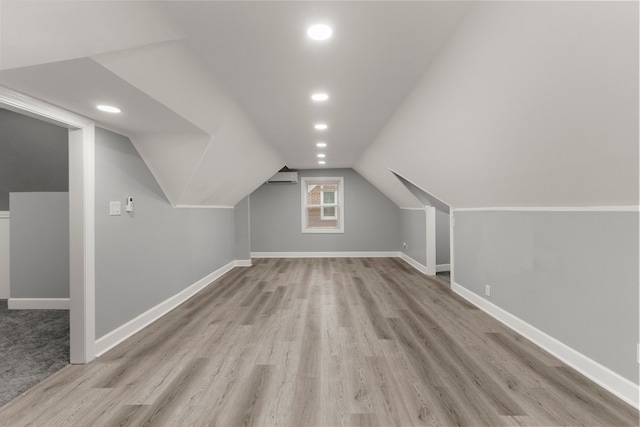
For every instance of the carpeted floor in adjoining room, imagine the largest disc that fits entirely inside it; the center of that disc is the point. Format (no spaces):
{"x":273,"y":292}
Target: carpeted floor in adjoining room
{"x":33,"y":345}
{"x":445,"y":275}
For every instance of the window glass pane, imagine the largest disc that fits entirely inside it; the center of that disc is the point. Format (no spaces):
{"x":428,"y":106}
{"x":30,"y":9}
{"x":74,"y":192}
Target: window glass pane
{"x":329,"y":212}
{"x":313,"y":195}
{"x":329,"y":197}
{"x":313,"y":217}
{"x":316,"y":218}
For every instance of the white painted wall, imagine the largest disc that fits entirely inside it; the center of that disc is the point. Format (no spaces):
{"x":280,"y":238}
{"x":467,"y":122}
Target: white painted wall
{"x":529,"y":104}
{"x":4,"y":255}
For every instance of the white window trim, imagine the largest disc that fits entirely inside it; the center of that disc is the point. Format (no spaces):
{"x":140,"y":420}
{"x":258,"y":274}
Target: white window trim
{"x":311,"y":180}
{"x":328,"y":205}
{"x":324,"y":217}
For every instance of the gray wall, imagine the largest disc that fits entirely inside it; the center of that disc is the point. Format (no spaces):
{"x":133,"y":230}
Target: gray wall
{"x":145,"y":257}
{"x":573,"y":275}
{"x":372,"y":221}
{"x":34,"y":156}
{"x":413,"y":231}
{"x":443,"y":244}
{"x":242,"y":250}
{"x":39,"y":245}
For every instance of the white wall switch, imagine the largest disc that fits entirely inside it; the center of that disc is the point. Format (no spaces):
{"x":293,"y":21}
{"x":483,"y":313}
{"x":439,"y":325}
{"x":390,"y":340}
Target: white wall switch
{"x":114,"y":208}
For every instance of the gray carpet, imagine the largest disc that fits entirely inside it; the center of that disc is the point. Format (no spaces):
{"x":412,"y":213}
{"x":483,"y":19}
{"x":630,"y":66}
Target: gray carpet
{"x":33,"y":345}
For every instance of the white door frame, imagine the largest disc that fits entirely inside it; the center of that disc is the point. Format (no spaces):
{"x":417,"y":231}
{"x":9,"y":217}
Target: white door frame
{"x":81,"y":215}
{"x":451,"y":231}
{"x":430,"y":214}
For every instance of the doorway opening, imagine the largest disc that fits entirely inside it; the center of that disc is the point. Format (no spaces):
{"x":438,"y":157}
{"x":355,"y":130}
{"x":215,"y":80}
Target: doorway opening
{"x":81,"y":133}
{"x":34,"y":258}
{"x":438,"y":231}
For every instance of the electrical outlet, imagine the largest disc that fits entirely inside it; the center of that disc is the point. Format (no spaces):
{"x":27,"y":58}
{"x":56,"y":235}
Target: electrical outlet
{"x":404,"y":245}
{"x":487,"y":290}
{"x":638,"y":354}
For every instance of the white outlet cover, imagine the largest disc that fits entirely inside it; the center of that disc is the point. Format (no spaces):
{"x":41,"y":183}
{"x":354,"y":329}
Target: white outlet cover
{"x":114,"y":208}
{"x":487,"y":290}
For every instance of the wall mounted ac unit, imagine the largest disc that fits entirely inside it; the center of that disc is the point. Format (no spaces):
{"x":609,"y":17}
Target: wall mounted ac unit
{"x":290,"y":177}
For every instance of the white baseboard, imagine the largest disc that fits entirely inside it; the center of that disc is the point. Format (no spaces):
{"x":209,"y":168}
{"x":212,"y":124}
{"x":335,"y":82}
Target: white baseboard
{"x":38,"y":304}
{"x":115,"y":337}
{"x":443,"y":267}
{"x":372,"y":254}
{"x":616,"y":384}
{"x":413,"y":263}
{"x":242,"y":263}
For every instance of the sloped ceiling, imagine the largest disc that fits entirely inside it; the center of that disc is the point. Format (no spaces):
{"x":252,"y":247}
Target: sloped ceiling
{"x":529,"y":104}
{"x":130,"y":54}
{"x":215,"y":95}
{"x":479,"y":104}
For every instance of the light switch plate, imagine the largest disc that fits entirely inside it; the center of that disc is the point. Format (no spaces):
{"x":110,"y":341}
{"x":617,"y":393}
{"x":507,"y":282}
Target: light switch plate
{"x":114,"y":208}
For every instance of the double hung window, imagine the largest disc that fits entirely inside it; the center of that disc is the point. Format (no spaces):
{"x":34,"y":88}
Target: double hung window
{"x":322,"y":205}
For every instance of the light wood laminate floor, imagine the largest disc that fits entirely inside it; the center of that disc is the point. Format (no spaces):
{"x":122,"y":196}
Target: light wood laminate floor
{"x":322,"y":342}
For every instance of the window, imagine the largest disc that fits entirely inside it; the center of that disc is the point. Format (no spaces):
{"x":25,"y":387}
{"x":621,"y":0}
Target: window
{"x":328,"y":204}
{"x":322,"y":205}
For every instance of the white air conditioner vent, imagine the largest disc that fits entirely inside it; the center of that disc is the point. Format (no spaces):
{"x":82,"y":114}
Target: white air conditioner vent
{"x":290,"y":177}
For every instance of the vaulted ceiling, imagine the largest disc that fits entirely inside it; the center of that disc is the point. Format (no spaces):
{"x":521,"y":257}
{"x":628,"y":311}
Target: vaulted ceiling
{"x":216,"y":95}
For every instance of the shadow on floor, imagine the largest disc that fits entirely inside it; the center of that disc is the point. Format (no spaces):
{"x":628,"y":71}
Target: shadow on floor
{"x":445,"y":275}
{"x":33,"y":345}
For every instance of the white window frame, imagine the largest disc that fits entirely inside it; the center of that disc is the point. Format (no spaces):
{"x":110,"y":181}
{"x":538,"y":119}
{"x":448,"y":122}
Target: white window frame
{"x":324,"y":205}
{"x":339,"y":205}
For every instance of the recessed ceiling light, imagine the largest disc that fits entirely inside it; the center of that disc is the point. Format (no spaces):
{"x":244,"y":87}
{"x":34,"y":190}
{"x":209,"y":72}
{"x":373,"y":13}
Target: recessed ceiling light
{"x":319,"y":32}
{"x":321,"y":162}
{"x":320,"y":126}
{"x":321,"y":155}
{"x":108,"y":108}
{"x":319,"y":97}
{"x":321,"y":144}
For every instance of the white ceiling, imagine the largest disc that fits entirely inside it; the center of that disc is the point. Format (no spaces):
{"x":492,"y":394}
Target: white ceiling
{"x":183,"y":68}
{"x":195,"y":79}
{"x":259,"y":51}
{"x":477,"y":103}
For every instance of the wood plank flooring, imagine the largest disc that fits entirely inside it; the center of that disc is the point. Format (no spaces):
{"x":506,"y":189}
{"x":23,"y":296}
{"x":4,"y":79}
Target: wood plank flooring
{"x":322,"y":342}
